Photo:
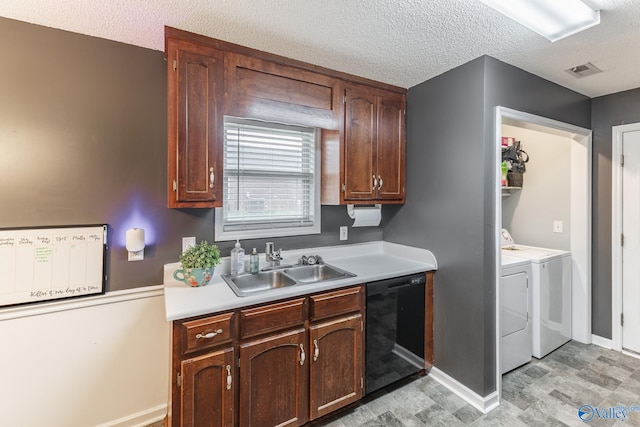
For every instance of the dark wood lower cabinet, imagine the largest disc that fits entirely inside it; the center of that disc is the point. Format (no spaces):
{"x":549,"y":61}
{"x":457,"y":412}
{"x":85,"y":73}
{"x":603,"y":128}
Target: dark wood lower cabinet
{"x":274,"y":378}
{"x":336,"y":364}
{"x":277,"y":364}
{"x":207,"y":390}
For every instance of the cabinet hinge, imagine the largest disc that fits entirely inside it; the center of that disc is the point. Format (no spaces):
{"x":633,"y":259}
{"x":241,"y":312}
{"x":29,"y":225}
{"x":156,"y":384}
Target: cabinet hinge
{"x":175,"y":185}
{"x":622,"y":160}
{"x":361,"y":382}
{"x":344,"y":188}
{"x":179,"y":380}
{"x":175,"y":65}
{"x":361,"y":326}
{"x":621,"y":319}
{"x":344,"y":99}
{"x":238,"y":362}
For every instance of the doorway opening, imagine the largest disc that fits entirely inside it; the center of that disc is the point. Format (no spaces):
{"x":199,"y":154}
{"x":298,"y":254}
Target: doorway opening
{"x":578,"y":157}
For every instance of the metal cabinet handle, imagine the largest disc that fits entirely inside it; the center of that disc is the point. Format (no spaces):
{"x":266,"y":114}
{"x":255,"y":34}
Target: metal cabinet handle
{"x":229,"y":379}
{"x":303,"y":356}
{"x":212,"y":177}
{"x":375,"y":182}
{"x":209,"y":335}
{"x":316,"y":352}
{"x":379,"y":182}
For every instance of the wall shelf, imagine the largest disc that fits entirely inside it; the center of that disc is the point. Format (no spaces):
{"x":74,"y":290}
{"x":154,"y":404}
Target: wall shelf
{"x":507,"y":191}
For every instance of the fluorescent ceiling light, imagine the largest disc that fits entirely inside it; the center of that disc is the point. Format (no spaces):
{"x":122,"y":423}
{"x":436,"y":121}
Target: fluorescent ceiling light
{"x":553,"y":19}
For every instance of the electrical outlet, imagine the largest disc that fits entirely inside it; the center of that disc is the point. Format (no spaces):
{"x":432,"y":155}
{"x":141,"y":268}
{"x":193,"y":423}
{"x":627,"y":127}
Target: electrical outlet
{"x":557,"y":226}
{"x":344,"y":232}
{"x":187,"y":242}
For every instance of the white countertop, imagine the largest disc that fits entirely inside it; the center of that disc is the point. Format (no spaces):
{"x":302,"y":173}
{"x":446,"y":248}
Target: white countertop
{"x":368,"y":261}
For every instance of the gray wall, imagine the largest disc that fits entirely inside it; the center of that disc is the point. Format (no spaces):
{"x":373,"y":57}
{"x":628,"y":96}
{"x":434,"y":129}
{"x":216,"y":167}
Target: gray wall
{"x":607,"y":111}
{"x":445,"y":213}
{"x":450,"y":205}
{"x":83,"y":136}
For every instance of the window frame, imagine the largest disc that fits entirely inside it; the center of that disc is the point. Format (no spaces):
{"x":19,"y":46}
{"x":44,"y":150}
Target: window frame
{"x":222,"y":235}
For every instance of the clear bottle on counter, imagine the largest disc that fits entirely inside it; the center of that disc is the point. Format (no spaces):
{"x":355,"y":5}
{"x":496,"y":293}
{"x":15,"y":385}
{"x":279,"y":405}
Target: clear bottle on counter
{"x":254,"y":262}
{"x":237,"y":259}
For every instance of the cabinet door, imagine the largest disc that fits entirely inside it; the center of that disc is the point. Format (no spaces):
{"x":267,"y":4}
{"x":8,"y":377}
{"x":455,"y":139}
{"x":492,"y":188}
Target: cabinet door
{"x":359,"y":146}
{"x":282,"y":93}
{"x":336,"y":353}
{"x":206,"y":393}
{"x":274,"y":380}
{"x":390,"y":145}
{"x":195,"y":127}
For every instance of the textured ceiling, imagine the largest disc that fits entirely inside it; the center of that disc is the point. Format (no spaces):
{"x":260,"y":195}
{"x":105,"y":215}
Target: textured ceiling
{"x":401,"y":42}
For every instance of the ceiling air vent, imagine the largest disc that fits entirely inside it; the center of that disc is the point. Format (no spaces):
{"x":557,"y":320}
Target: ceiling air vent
{"x":583,"y":70}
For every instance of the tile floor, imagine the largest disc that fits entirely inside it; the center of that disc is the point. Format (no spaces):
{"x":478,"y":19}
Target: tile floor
{"x":545,"y":392}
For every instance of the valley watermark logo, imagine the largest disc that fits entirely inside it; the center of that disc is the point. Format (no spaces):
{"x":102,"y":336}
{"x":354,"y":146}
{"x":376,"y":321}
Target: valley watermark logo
{"x":587,"y":412}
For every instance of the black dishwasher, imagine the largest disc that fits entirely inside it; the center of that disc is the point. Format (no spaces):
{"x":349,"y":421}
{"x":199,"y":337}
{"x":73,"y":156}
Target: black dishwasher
{"x":395,"y":330}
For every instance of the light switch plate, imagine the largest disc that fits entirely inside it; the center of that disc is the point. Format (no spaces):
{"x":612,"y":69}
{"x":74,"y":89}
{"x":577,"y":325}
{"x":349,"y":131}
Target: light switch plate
{"x":344,"y":232}
{"x":557,"y":226}
{"x":187,"y":242}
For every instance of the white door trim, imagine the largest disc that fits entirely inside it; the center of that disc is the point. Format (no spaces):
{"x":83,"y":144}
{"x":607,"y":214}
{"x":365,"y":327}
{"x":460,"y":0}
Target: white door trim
{"x":616,"y":231}
{"x":581,"y":206}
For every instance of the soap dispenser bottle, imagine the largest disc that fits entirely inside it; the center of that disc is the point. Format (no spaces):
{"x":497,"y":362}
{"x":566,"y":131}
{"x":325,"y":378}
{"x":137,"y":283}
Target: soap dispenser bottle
{"x":237,"y":259}
{"x":254,"y":262}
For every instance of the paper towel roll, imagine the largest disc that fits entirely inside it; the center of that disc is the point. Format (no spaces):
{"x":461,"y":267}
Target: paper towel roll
{"x":367,"y":216}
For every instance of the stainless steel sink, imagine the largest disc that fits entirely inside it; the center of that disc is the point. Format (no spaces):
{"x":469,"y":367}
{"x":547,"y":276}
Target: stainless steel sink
{"x":317,"y":273}
{"x":249,"y":284}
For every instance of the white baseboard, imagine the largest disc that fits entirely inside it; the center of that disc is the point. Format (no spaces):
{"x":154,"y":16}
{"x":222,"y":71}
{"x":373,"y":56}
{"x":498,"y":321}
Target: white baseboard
{"x":602,"y":342}
{"x":484,"y":404}
{"x":141,"y":419}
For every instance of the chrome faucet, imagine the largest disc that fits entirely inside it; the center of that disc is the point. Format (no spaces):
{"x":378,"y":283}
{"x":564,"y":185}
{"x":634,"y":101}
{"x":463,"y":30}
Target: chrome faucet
{"x":272,"y":256}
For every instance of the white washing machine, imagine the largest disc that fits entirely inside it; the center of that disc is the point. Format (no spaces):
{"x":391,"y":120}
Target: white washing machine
{"x":516,"y":342}
{"x":551,"y":291}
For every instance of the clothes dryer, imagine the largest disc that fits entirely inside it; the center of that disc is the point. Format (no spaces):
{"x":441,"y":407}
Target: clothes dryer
{"x":516,"y":342}
{"x":551,"y":292}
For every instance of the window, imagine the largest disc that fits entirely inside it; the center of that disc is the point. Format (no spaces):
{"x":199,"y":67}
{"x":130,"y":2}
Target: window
{"x":270,"y":182}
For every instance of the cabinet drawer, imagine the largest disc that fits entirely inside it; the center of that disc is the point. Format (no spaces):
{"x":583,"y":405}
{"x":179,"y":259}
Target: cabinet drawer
{"x":337,"y":302}
{"x":205,"y":333}
{"x":272,"y":317}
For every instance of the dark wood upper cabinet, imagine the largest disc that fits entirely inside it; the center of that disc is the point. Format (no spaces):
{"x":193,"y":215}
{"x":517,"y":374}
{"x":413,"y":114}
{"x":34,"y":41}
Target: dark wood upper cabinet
{"x":260,"y":89}
{"x":391,"y":164}
{"x":362,"y":121}
{"x":374,"y":145}
{"x":195,"y":87}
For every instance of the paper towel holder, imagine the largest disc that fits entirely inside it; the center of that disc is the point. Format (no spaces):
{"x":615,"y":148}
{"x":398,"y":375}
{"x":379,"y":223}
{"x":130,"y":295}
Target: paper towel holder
{"x":351,"y":212}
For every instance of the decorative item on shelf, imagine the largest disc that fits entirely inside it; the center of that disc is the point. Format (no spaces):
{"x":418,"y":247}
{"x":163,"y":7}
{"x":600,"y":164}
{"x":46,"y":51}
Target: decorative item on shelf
{"x":516,"y":159}
{"x":198,"y":263}
{"x":515,"y":179}
{"x":504,"y":168}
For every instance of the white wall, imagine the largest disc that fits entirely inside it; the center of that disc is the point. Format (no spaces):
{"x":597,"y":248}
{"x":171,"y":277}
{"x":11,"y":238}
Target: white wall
{"x":545,"y":197}
{"x":98,"y":361}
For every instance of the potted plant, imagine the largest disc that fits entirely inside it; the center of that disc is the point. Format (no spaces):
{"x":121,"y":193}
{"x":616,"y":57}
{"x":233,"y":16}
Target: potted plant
{"x":198,"y":263}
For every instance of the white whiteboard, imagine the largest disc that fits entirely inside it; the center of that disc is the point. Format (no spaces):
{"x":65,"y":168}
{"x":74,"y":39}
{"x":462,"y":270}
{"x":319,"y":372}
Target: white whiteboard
{"x":40,"y":264}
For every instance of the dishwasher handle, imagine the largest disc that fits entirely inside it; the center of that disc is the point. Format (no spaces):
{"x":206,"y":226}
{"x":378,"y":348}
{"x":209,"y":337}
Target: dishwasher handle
{"x":383,"y":287}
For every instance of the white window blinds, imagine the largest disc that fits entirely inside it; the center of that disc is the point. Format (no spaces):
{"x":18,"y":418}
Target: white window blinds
{"x":269,"y":177}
